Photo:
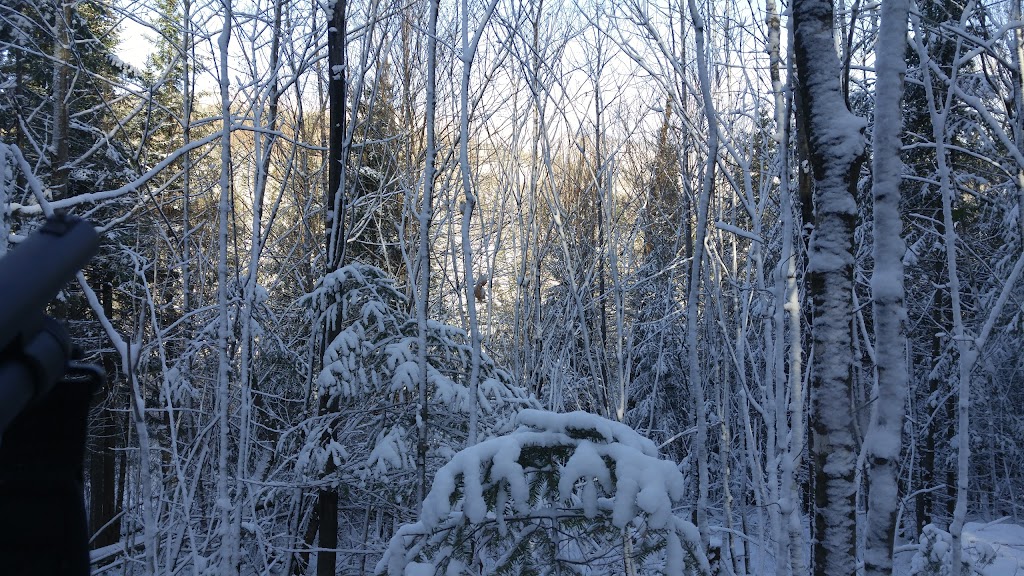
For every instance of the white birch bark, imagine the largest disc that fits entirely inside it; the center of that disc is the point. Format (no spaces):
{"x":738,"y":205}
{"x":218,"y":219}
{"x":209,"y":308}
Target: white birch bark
{"x":797,"y":435}
{"x":777,"y":437}
{"x":884,"y":436}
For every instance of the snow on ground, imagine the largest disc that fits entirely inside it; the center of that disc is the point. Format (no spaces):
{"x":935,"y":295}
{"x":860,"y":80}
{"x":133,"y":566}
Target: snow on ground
{"x":990,"y":549}
{"x":1001,"y":541}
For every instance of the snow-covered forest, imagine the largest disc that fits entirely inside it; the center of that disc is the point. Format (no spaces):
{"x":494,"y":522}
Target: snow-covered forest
{"x":535,"y":287}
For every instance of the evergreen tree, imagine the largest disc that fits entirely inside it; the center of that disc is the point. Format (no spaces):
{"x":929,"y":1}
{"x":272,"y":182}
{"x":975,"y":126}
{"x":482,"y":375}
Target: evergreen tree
{"x":362,"y":445}
{"x":57,"y":77}
{"x":375,"y":195}
{"x":658,"y":403}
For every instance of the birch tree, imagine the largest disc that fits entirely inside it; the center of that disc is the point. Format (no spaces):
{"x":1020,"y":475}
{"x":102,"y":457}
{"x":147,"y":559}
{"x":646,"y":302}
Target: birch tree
{"x":836,"y":141}
{"x":884,"y":437}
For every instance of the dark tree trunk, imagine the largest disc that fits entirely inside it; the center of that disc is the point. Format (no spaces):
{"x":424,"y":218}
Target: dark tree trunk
{"x":103,"y":505}
{"x":836,"y":150}
{"x":61,"y":87}
{"x":335,"y":202}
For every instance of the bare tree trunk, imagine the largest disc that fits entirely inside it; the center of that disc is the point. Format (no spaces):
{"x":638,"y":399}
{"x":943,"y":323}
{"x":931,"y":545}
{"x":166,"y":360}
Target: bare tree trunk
{"x":532,"y":252}
{"x":423,"y":276}
{"x":105,"y":527}
{"x":696,"y":271}
{"x":469,"y":46}
{"x":884,"y":436}
{"x":6,"y":190}
{"x":62,"y":40}
{"x":788,"y":304}
{"x":782,"y":544}
{"x":1017,"y":44}
{"x":836,"y":145}
{"x":186,"y":165}
{"x":229,"y":543}
{"x":327,"y":498}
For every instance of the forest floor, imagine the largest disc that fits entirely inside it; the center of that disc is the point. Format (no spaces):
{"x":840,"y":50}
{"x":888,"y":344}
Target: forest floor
{"x":1003,"y":542}
{"x":993,"y":548}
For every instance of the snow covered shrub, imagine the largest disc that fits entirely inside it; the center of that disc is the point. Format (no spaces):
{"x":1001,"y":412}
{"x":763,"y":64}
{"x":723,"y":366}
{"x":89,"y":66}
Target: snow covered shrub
{"x":564,"y":493}
{"x":934,"y":556}
{"x":369,"y":387}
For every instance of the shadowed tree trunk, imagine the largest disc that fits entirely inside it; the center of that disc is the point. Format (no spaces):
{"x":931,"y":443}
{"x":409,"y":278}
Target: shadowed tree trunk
{"x":836,"y":151}
{"x":327,"y":501}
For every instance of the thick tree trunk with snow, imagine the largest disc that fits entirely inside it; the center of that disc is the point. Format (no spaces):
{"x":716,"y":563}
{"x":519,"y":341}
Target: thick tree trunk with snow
{"x":884,"y":437}
{"x":836,"y":146}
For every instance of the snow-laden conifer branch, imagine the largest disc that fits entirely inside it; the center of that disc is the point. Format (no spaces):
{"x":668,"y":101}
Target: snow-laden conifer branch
{"x":561,"y":488}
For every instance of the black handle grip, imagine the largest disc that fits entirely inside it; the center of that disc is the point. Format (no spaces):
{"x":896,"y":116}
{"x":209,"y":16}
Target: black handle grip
{"x":33,"y":273}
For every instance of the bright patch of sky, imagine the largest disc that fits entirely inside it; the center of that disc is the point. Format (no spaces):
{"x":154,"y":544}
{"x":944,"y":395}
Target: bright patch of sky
{"x":136,"y":38}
